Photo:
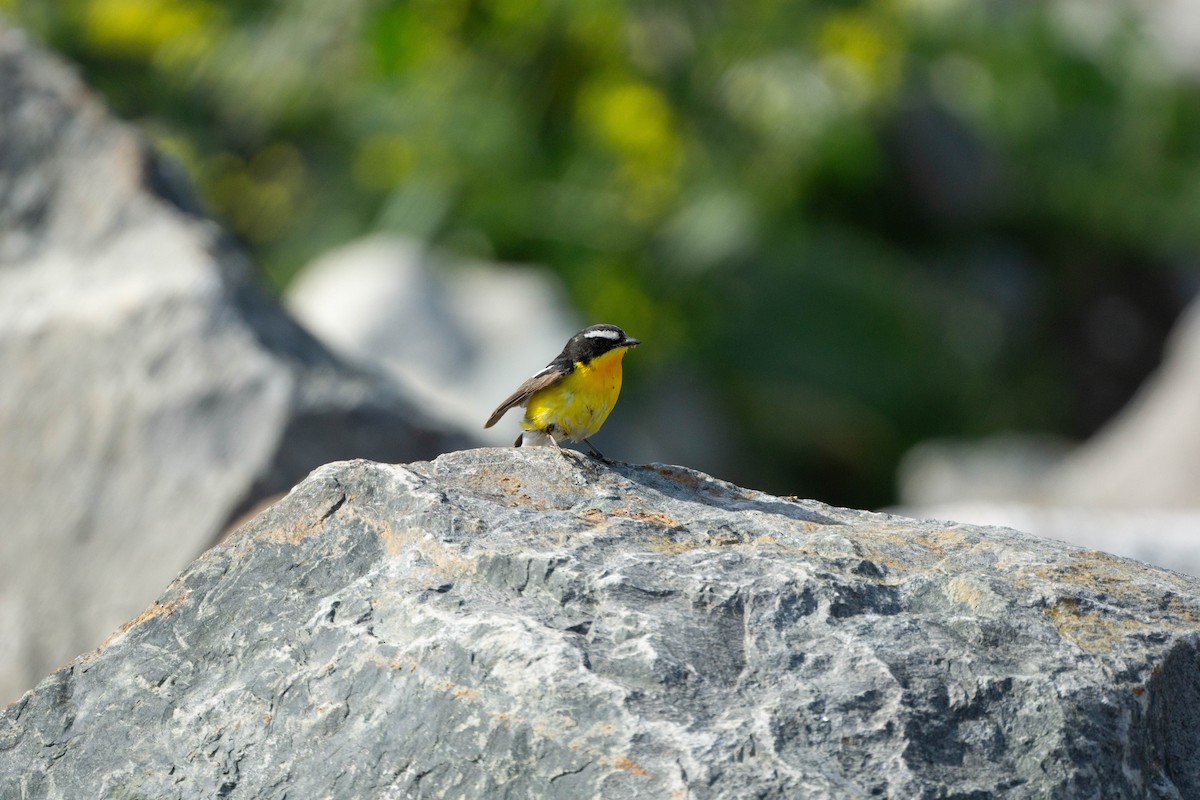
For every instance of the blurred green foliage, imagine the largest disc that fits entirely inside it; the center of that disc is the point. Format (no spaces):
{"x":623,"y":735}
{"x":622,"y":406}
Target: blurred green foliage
{"x":865,"y":223}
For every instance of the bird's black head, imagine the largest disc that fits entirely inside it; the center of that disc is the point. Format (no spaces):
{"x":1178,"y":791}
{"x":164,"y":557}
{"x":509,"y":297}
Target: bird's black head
{"x":597,"y":340}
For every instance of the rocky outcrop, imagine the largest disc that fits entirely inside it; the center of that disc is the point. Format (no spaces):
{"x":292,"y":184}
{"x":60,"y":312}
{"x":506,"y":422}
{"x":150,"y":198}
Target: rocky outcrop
{"x":534,"y":623}
{"x":149,"y":392}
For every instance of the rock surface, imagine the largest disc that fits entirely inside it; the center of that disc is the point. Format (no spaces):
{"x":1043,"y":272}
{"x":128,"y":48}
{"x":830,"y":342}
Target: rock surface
{"x":149,"y":393}
{"x":1164,"y":537}
{"x":529,"y":623}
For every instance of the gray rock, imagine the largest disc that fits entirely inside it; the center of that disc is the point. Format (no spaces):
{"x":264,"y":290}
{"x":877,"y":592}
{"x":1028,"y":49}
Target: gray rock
{"x":529,"y":623}
{"x":996,"y":468}
{"x":149,"y":392}
{"x":1165,"y":537}
{"x":1149,"y":455}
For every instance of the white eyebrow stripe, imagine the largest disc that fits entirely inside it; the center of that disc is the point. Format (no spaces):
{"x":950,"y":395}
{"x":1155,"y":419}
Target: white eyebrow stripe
{"x":602,"y":334}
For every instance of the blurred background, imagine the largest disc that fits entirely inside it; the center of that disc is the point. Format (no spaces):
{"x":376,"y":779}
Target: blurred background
{"x":841,"y":228}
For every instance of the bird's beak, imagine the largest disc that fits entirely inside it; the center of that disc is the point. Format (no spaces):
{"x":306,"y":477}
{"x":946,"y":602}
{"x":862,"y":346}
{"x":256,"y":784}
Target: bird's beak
{"x":630,"y":342}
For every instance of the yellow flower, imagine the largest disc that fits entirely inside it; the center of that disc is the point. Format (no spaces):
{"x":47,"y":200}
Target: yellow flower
{"x":861,"y":54}
{"x":635,"y":122}
{"x":139,"y":29}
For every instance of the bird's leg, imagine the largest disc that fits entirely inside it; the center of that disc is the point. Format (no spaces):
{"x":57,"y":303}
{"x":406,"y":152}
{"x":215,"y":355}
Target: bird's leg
{"x":595,"y":452}
{"x":566,"y":452}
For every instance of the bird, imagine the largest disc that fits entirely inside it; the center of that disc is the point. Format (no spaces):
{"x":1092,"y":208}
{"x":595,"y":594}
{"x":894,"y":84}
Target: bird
{"x":571,"y":398}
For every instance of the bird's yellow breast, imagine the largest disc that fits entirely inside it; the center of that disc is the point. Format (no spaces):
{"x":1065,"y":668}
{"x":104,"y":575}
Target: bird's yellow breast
{"x":576,"y":407}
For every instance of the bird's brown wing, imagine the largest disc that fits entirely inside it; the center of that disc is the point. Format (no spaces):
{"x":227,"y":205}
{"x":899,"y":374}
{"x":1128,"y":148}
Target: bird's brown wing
{"x":544,"y":379}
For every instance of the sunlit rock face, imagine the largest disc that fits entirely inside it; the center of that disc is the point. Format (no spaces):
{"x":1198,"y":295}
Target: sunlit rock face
{"x":535,"y":623}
